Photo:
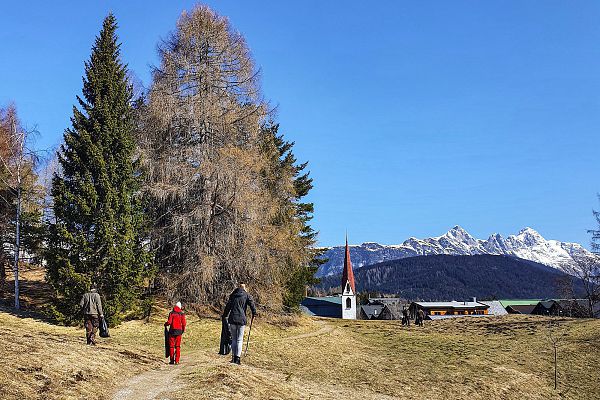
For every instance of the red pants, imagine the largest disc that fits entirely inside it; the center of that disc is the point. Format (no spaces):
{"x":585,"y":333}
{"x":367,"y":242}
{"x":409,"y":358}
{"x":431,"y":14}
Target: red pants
{"x":174,"y":347}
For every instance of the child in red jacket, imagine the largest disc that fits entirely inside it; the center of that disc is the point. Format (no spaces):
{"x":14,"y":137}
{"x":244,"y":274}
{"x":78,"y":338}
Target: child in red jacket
{"x":176,"y":324}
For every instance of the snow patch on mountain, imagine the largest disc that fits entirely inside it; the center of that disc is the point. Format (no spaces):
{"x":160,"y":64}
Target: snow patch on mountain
{"x":528,"y":244}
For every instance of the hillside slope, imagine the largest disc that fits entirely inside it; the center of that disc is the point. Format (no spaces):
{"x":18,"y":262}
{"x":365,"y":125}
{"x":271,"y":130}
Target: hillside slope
{"x":299,"y":358}
{"x":491,"y":358}
{"x":43,"y":361}
{"x":445,"y":277}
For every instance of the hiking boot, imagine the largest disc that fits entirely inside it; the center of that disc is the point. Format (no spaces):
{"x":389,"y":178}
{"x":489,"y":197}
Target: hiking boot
{"x":238,"y":361}
{"x":171,"y":362}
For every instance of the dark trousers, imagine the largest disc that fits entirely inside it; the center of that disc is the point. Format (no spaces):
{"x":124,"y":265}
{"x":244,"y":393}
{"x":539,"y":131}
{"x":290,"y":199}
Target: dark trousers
{"x":91,"y":323}
{"x":175,"y":347}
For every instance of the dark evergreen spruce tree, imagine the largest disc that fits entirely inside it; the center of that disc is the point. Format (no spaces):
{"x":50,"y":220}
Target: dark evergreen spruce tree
{"x":301,"y":274}
{"x":98,"y":230}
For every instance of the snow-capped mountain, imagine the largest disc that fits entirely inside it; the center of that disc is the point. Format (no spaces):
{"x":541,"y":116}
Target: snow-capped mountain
{"x":527,"y":244}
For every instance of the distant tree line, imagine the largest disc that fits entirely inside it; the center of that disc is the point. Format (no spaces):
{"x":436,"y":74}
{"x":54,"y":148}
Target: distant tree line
{"x":447,"y":277}
{"x":185,"y":191}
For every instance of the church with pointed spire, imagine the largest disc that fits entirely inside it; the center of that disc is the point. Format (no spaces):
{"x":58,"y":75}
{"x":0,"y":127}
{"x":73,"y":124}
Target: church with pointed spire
{"x":348,"y":287}
{"x":340,"y":305}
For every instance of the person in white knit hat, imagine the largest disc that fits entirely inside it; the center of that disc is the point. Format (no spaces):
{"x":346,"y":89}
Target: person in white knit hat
{"x":176,"y":324}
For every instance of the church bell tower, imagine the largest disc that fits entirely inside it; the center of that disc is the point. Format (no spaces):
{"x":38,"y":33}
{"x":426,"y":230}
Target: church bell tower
{"x":348,"y":287}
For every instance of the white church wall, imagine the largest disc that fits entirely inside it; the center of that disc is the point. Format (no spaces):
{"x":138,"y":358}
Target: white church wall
{"x":348,"y":303}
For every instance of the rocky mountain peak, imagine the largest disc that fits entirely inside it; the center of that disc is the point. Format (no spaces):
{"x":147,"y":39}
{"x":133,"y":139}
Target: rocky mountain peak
{"x":528,"y":244}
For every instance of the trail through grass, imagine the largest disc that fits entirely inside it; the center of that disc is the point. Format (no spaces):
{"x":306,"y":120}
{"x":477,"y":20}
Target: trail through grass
{"x":302,"y":358}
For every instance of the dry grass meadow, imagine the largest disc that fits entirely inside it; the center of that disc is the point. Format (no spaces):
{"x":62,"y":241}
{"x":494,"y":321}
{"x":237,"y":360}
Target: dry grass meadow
{"x":303,"y":358}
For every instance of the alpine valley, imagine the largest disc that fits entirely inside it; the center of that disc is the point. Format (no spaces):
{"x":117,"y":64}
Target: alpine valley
{"x":527,"y":244}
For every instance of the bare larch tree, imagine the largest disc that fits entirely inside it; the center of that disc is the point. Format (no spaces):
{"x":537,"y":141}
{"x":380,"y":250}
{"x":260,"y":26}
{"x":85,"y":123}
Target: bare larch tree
{"x":201,"y":145}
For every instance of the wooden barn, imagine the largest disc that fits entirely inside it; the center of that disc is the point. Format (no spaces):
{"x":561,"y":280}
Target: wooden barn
{"x":575,"y":308}
{"x":524,"y":306}
{"x":449,"y":308}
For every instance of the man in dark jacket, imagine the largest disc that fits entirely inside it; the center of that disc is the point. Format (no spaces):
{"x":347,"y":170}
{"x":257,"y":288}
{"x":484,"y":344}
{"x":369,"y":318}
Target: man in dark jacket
{"x":176,"y":323}
{"x":405,"y":319}
{"x":420,"y":317}
{"x":235,"y":312}
{"x":91,"y":306}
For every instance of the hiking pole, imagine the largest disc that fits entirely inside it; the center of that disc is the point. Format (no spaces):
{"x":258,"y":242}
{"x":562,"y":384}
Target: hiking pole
{"x":249,"y":332}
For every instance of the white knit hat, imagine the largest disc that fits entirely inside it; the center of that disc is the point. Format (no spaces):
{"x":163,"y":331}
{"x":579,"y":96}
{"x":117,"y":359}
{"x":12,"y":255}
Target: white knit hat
{"x":178,"y":304}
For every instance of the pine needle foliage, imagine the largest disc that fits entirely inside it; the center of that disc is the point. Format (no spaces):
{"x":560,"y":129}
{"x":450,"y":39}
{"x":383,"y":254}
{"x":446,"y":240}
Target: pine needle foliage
{"x":98,"y":231}
{"x":302,"y":259}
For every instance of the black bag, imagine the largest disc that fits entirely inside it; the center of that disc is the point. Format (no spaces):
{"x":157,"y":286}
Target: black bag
{"x":167,"y":350}
{"x":103,"y":328}
{"x":225,"y":347}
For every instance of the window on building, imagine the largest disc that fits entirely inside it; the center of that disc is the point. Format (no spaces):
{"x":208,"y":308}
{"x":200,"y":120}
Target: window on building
{"x":348,"y":303}
{"x":347,"y":287}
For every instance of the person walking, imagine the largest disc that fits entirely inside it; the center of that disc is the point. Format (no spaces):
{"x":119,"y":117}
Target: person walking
{"x":235,"y":312}
{"x":91,"y":306}
{"x":420,"y":317}
{"x":405,"y":319}
{"x":176,"y":323}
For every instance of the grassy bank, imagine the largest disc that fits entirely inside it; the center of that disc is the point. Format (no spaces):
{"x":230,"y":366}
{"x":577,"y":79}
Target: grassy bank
{"x":43,"y":361}
{"x":487,"y":358}
{"x":300,"y":358}
{"x":491,"y":358}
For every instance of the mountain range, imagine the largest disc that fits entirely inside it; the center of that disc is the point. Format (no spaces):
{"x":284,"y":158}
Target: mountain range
{"x":527,"y":244}
{"x":446,"y":277}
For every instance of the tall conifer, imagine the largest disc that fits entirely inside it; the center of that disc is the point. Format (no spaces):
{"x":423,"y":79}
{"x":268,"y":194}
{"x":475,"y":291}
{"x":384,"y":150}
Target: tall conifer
{"x":97,"y":232}
{"x":302,"y":259}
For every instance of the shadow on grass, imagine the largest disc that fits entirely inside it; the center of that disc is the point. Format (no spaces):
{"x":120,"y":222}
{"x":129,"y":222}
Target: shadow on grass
{"x":35,"y":296}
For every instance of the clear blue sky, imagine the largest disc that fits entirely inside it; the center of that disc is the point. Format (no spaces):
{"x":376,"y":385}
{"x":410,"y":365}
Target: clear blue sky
{"x":415,"y":116}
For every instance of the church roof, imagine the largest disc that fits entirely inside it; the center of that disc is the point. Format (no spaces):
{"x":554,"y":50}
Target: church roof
{"x":319,"y":300}
{"x":330,"y":306}
{"x":348,"y":274}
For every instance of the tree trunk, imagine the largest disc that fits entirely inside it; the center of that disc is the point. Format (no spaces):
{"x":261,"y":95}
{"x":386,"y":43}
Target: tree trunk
{"x":17,"y":248}
{"x":2,"y":272}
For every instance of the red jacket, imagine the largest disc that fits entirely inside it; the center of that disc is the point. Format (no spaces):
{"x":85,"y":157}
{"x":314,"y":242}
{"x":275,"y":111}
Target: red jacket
{"x":176,"y":321}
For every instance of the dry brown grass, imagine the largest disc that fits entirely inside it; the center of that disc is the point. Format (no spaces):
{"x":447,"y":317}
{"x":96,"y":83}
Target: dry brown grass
{"x":488,"y":358}
{"x":302,"y":358}
{"x":42,"y":361}
{"x":35,"y":292}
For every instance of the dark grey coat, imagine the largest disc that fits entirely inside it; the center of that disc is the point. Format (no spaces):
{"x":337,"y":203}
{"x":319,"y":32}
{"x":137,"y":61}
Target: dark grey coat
{"x":238,"y":303}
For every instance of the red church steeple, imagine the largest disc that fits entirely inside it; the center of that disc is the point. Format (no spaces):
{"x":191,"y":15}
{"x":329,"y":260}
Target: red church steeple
{"x":348,"y":274}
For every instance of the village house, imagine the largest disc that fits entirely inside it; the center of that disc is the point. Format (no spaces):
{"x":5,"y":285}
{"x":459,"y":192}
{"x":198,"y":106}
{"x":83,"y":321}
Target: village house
{"x":383,"y":308}
{"x":524,"y":306}
{"x":446,"y":309}
{"x":370,"y":311}
{"x":496,"y":307}
{"x":574,"y":308}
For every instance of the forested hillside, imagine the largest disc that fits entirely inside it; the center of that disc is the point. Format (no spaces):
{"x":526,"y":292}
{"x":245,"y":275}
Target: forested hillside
{"x":445,"y":277}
